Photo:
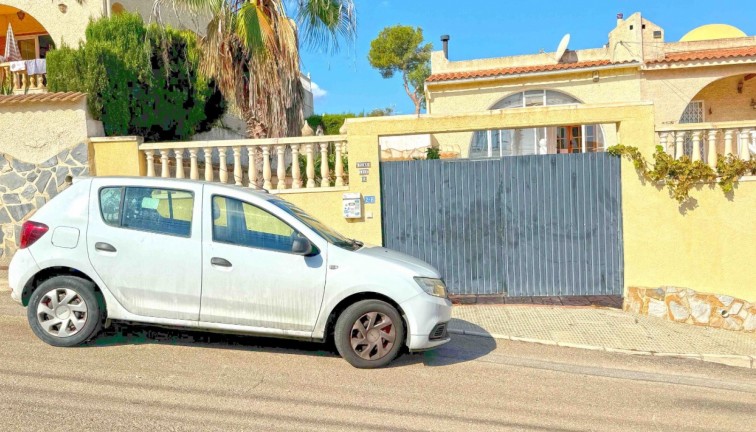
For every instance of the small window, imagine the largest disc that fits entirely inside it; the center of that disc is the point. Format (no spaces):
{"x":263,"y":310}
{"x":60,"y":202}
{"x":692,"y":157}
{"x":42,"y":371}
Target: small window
{"x":657,"y":34}
{"x":631,"y":26}
{"x":239,"y":223}
{"x":110,"y":205}
{"x":158,"y":210}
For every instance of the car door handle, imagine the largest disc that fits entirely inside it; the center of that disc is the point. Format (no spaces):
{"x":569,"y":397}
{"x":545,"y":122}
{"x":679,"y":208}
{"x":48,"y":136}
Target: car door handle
{"x":220,"y":262}
{"x":104,"y":247}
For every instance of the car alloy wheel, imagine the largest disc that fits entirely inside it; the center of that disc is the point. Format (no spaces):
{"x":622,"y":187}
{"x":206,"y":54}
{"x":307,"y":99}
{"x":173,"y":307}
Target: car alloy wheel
{"x":62,"y":312}
{"x":373,"y":336}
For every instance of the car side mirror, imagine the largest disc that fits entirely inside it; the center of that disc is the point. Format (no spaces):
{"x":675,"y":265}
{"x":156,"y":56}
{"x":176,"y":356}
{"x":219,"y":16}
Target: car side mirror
{"x":301,"y":246}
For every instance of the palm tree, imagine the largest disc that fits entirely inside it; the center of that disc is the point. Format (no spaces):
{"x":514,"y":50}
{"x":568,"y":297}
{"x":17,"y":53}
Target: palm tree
{"x":252,"y":51}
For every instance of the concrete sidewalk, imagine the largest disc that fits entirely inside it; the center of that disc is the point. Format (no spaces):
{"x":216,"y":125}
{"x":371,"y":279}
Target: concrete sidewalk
{"x":605,"y":329}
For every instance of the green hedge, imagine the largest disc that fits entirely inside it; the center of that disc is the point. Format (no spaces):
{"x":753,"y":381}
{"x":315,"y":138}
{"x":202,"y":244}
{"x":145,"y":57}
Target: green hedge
{"x":140,"y":80}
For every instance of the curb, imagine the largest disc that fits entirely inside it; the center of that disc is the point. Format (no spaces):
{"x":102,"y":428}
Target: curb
{"x":742,"y":361}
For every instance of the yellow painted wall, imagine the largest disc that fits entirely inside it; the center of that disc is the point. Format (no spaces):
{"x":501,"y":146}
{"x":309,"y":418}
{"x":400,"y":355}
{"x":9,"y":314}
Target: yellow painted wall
{"x":117,"y":156}
{"x":34,"y":132}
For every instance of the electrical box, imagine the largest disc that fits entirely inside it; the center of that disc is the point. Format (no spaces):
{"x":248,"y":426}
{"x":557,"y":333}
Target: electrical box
{"x":352,"y":203}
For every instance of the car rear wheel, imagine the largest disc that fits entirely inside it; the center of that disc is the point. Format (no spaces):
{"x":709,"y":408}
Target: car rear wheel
{"x":64,"y":311}
{"x":369,"y":334}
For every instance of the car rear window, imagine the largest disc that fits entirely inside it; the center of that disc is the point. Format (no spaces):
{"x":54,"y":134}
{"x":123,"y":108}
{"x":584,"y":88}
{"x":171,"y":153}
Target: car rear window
{"x":164,"y":211}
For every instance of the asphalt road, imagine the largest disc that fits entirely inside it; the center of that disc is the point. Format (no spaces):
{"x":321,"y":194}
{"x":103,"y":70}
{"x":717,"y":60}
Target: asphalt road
{"x":137,"y":378}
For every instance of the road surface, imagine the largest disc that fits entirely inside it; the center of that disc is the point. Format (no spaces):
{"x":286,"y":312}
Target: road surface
{"x":138,"y":378}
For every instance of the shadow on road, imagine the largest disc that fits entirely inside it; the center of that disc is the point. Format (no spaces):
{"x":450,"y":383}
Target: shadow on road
{"x":460,"y":349}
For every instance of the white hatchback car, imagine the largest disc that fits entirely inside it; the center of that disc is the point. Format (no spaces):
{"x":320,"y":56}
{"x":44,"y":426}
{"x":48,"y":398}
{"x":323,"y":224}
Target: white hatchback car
{"x":221,"y":258}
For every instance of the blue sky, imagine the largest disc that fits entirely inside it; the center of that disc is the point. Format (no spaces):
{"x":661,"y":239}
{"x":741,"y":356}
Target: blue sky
{"x":493,"y":28}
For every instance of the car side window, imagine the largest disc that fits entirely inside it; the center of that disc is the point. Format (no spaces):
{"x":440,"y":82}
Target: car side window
{"x":240,"y":223}
{"x":110,"y":205}
{"x":163,"y":211}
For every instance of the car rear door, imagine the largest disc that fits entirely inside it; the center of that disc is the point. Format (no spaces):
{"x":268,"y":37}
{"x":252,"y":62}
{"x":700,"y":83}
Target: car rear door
{"x":143,"y":240}
{"x":250,"y":276}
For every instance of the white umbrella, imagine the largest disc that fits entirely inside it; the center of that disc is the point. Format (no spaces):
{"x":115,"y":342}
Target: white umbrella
{"x":11,"y":47}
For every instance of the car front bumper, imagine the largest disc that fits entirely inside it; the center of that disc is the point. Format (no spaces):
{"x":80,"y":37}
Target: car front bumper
{"x":423,"y":313}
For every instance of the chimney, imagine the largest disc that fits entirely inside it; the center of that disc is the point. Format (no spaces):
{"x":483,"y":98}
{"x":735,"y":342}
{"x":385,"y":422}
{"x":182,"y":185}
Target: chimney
{"x":619,"y":19}
{"x":445,"y":41}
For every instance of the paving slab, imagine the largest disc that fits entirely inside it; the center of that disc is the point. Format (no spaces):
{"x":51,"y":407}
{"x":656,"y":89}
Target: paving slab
{"x":604,"y":329}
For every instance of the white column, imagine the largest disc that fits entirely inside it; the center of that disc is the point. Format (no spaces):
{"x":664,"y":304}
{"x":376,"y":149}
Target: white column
{"x":165,"y":170}
{"x":149,"y":154}
{"x":179,"y":163}
{"x":325,"y":174}
{"x":745,"y":140}
{"x":679,"y":144}
{"x":663,"y":142}
{"x":339,"y":165}
{"x":310,"y":166}
{"x":711,"y":154}
{"x":696,"y":146}
{"x":222,"y":168}
{"x":296,"y":175}
{"x":267,"y":185}
{"x":252,"y":167}
{"x":728,"y":136}
{"x":193,"y":170}
{"x":237,"y":166}
{"x":209,"y":176}
{"x":281,"y":166}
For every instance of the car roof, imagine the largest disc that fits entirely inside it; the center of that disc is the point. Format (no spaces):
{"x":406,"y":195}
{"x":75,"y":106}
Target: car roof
{"x":173,"y":182}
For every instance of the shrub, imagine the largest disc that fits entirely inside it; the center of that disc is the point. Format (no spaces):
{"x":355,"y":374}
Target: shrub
{"x":139,"y":80}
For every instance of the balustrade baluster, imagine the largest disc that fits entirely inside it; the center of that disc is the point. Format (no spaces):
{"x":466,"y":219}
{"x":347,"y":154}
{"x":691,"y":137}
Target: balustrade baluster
{"x":310,"y":166}
{"x":339,"y":165}
{"x":267,"y":185}
{"x":711,"y":156}
{"x":696,"y":138}
{"x":209,"y":176}
{"x":745,"y":141}
{"x":663,"y":142}
{"x":281,"y":166}
{"x":165,"y":170}
{"x":296,"y":176}
{"x":193,"y":169}
{"x":222,"y":168}
{"x":728,"y":150}
{"x":252,"y":166}
{"x":679,"y":144}
{"x":149,"y":154}
{"x":325,"y":175}
{"x":179,"y":154}
{"x":237,"y":166}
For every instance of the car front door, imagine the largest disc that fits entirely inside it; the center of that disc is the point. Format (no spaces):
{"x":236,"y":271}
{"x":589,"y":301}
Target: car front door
{"x":250,"y":276}
{"x":144,"y":243}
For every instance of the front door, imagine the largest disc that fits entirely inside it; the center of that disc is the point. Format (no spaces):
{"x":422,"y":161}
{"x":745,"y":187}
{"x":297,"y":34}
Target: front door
{"x":570,"y":139}
{"x":144,"y":243}
{"x":249,"y":274}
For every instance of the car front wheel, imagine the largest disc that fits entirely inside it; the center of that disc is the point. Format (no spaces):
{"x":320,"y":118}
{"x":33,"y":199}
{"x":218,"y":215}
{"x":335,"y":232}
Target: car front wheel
{"x":63,"y":311}
{"x":369,"y":334}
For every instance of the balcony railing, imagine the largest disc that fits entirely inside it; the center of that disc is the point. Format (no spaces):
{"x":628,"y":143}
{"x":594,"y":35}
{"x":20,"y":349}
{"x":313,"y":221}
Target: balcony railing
{"x":706,"y":141}
{"x":20,"y":82}
{"x":272,"y":164}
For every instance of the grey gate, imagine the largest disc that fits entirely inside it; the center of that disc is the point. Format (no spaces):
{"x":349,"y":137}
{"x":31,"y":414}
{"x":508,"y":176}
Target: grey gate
{"x":548,"y":225}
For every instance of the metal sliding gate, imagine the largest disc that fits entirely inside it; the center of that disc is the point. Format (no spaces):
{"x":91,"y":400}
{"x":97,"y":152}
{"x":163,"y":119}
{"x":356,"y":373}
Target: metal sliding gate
{"x":548,"y":225}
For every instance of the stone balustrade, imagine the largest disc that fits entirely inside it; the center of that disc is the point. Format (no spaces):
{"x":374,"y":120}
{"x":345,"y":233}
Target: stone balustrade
{"x":705,"y":141}
{"x":20,"y":82}
{"x":272,"y":164}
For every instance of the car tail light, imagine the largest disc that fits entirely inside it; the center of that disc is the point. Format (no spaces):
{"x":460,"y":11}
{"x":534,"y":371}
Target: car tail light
{"x":31,"y":232}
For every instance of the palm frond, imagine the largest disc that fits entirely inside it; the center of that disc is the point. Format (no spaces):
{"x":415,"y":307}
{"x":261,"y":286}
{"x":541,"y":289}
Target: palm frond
{"x":322,"y":23}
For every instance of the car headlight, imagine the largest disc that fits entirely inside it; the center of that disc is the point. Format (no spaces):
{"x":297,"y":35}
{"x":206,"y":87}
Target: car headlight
{"x":434,"y":287}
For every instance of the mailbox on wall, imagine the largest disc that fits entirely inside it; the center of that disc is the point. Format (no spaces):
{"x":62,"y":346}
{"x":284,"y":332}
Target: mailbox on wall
{"x":352,"y":205}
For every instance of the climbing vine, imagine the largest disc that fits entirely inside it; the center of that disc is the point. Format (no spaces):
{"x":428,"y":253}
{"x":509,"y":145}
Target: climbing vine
{"x":680,"y":175}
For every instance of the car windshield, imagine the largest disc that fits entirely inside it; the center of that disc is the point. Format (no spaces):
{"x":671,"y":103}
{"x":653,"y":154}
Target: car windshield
{"x":322,"y":229}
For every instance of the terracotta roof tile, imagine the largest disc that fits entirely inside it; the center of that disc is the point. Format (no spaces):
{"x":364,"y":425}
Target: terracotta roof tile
{"x":41,"y":97}
{"x":516,"y":70}
{"x":712,"y":54}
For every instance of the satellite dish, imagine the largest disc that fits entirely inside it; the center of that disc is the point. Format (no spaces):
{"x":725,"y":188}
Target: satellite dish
{"x":562,"y":47}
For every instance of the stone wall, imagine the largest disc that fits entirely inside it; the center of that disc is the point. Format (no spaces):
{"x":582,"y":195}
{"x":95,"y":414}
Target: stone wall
{"x":24,"y":187}
{"x":687,"y":306}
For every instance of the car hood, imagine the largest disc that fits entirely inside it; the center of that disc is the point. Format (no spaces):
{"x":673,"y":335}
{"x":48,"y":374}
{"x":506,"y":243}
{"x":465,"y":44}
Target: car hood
{"x":411,"y":265}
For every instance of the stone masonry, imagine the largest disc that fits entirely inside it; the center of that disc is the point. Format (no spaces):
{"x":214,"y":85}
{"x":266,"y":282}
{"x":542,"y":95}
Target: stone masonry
{"x":24,"y":187}
{"x":687,"y":306}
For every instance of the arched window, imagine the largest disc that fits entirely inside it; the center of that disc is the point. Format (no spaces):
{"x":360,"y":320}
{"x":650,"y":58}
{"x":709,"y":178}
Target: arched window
{"x":518,"y":142}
